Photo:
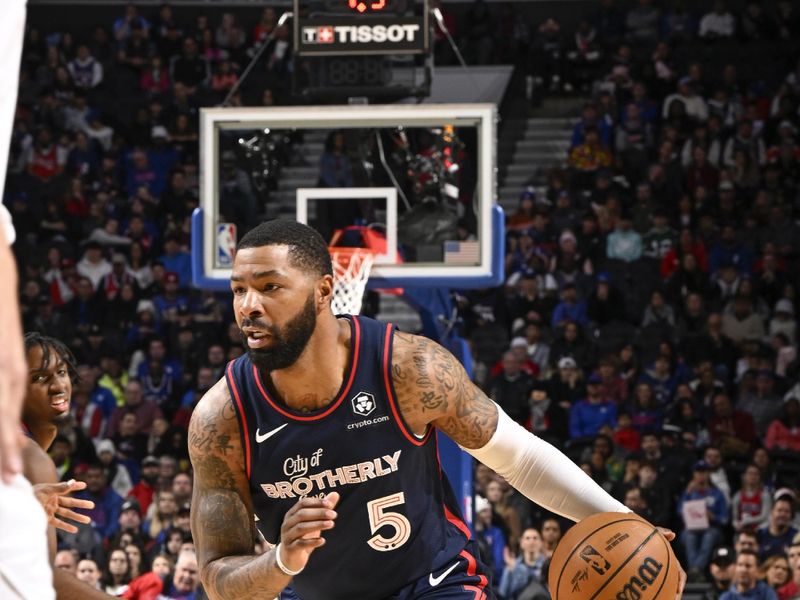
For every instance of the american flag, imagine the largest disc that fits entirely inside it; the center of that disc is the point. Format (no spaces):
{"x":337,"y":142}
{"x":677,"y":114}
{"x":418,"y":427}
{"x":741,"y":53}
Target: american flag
{"x":461,"y":253}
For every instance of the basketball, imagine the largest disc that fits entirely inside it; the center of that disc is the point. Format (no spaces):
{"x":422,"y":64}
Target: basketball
{"x":613,"y":556}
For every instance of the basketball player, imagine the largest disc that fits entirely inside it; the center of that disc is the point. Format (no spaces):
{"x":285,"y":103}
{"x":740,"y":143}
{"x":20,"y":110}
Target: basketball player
{"x":51,"y":368}
{"x":332,"y":421}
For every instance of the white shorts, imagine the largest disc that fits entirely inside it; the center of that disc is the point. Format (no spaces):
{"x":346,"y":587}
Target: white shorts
{"x":25,"y":572}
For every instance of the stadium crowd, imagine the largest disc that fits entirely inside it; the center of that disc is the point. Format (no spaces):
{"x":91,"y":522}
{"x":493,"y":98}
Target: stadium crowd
{"x":647,"y":325}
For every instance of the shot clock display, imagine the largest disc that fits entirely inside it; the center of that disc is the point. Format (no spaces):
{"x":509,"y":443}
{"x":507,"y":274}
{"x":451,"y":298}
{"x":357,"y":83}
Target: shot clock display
{"x":367,"y":27}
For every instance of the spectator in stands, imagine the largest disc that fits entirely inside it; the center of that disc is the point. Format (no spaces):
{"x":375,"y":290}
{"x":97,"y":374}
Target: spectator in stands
{"x":751,"y":505}
{"x":733,"y":431}
{"x":762,"y":403}
{"x":189,"y":68}
{"x":784,"y":432}
{"x":746,"y":580}
{"x":694,"y":106}
{"x":744,"y":323}
{"x":490,"y":537}
{"x":107,"y":503}
{"x":624,"y":243}
{"x":116,"y":575}
{"x":776,"y":572}
{"x":698,"y":542}
{"x":586,"y":158}
{"x":792,"y":587}
{"x":145,"y":410}
{"x":571,"y":309}
{"x":520,"y":570}
{"x":590,"y":415}
{"x":511,"y":388}
{"x":722,"y":569}
{"x":548,"y":419}
{"x":777,"y":535}
{"x":718,"y":24}
{"x":89,"y":573}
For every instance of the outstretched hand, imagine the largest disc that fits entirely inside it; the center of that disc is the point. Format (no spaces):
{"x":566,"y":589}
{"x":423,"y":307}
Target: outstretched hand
{"x":56,"y":502}
{"x":670,"y":535}
{"x":303,"y":524}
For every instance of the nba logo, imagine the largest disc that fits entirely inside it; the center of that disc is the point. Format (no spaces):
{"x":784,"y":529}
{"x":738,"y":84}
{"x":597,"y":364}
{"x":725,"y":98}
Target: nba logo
{"x":226,"y":244}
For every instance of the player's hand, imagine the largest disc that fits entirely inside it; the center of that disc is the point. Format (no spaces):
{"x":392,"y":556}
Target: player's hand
{"x":56,"y":503}
{"x":670,"y":535}
{"x":303,"y":524}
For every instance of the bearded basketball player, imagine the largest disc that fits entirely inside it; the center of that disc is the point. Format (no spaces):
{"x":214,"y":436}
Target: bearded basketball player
{"x":326,"y":431}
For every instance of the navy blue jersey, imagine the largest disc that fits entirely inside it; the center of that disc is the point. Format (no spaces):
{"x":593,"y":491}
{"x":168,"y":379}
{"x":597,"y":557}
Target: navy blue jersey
{"x":398,"y":519}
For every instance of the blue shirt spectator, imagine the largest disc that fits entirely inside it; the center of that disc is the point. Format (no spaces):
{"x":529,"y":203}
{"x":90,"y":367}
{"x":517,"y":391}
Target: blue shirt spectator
{"x":591,"y":414}
{"x":776,"y":536}
{"x":728,"y":251}
{"x":570,"y":308}
{"x":107,"y":503}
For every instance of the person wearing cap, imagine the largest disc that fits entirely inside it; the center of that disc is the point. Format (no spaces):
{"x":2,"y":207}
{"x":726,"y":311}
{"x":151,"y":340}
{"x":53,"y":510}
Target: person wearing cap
{"x":567,"y":385}
{"x":528,"y":305}
{"x":490,"y":537}
{"x":168,"y":303}
{"x":116,"y":473}
{"x":605,"y":304}
{"x":721,"y":570}
{"x":594,"y":412}
{"x":699,"y":542}
{"x":143,"y":491}
{"x":747,"y":584}
{"x":130,"y":517}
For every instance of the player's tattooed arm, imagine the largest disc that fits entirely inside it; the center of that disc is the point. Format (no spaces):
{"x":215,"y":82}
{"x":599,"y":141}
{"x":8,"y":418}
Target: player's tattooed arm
{"x":222,"y":513}
{"x":433,"y":388}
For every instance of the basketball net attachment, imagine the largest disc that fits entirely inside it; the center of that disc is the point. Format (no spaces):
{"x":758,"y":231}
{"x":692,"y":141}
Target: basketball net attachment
{"x":351,"y":268}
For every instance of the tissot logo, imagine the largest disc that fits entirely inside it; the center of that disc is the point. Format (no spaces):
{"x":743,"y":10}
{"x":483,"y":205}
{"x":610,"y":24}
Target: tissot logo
{"x":361,"y":34}
{"x":363,"y":403}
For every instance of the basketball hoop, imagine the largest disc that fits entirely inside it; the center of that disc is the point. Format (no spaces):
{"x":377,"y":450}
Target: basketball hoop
{"x":351,"y":268}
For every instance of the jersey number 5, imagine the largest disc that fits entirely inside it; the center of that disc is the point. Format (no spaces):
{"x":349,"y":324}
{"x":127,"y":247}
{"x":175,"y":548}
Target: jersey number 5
{"x":380,"y":517}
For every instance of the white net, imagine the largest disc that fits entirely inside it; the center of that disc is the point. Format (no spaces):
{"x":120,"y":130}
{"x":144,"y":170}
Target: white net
{"x":351,"y":268}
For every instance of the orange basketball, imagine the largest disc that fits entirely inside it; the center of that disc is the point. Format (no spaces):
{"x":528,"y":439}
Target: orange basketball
{"x":613,"y":556}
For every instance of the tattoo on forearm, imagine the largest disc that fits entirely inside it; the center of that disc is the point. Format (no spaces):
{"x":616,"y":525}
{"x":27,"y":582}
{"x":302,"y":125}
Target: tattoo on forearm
{"x":222,"y":515}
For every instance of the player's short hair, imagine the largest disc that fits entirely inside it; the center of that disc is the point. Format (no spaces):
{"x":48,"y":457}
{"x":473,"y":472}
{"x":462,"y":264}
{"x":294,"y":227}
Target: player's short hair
{"x":307,"y":249}
{"x":50,"y":345}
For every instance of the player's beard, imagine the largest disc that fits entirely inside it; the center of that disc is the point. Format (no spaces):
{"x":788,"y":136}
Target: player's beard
{"x":288,"y":342}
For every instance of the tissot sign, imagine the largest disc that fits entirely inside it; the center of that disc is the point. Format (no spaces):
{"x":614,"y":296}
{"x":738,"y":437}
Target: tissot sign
{"x":339,"y":35}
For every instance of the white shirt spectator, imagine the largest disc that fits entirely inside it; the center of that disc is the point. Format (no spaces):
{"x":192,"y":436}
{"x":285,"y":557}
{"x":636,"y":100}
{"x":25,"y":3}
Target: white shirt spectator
{"x":716,"y":24}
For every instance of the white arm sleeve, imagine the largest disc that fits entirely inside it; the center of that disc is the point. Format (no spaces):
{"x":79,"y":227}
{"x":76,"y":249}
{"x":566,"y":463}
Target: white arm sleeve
{"x":542,"y":473}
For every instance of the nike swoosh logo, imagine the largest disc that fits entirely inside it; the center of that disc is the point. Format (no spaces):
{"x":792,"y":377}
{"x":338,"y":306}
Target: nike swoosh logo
{"x":434,"y":581}
{"x":262,"y":438}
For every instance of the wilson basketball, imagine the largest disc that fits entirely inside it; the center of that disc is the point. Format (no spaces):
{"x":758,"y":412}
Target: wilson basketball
{"x":613,"y":556}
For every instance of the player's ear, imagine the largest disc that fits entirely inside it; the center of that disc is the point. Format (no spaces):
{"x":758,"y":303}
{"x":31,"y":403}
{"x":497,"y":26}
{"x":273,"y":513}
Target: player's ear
{"x":325,"y":291}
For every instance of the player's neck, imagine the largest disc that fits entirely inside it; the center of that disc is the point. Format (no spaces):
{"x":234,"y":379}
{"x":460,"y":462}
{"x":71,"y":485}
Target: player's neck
{"x":312,"y":382}
{"x":43,"y":433}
